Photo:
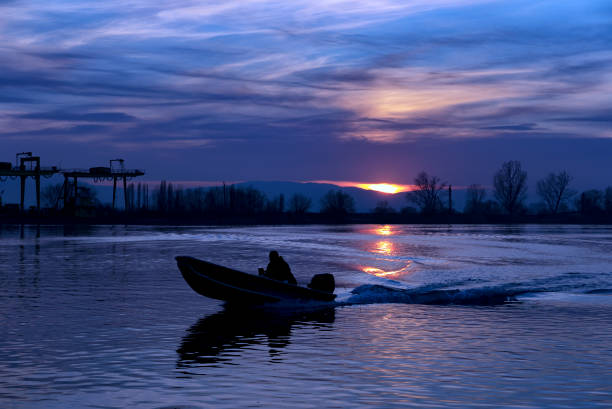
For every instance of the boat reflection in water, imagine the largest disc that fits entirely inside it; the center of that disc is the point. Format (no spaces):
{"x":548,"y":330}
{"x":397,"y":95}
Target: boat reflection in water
{"x":216,"y":338}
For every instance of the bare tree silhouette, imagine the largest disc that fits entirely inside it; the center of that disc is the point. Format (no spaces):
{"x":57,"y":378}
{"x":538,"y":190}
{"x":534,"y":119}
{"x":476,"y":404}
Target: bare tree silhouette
{"x":427,"y":193}
{"x":52,"y":195}
{"x":276,"y":205}
{"x":590,"y":202}
{"x":475,"y":199}
{"x":510,"y":183}
{"x":87,"y":196}
{"x":336,"y":202}
{"x":299,"y":204}
{"x":554,"y":190}
{"x":383,"y":207}
{"x":608,"y":200}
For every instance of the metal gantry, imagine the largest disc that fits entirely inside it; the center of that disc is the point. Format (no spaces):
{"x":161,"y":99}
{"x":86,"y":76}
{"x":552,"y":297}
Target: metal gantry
{"x":27,"y":166}
{"x":115,"y":170}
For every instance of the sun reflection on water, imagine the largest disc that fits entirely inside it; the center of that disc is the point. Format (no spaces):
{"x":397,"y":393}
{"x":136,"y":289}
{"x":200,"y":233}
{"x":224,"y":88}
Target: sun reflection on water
{"x":384,"y":247}
{"x":384,"y":231}
{"x":382,"y":273}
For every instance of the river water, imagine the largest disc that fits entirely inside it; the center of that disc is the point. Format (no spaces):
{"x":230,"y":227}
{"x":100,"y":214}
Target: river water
{"x":427,"y":316}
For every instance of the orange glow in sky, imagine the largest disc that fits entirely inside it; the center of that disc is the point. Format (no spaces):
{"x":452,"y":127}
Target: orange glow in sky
{"x":383,"y":187}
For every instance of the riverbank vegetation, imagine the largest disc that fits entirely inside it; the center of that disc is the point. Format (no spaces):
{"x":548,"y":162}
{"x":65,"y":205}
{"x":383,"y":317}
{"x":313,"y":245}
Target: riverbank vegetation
{"x":430,"y":202}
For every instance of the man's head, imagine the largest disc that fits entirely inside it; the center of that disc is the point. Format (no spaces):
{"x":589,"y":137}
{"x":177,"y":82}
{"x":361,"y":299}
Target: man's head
{"x":273,"y":255}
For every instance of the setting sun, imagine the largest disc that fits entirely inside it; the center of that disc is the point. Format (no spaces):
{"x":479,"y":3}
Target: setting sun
{"x":384,"y":187}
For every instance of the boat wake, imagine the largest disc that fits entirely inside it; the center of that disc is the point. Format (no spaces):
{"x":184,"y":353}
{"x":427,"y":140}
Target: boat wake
{"x":375,"y":294}
{"x":473,"y":292}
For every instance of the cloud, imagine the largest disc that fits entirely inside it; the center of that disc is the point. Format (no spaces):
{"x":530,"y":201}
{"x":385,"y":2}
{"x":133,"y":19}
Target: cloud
{"x":80,"y":117}
{"x":186,"y":76}
{"x":520,"y":127}
{"x":604,"y":117}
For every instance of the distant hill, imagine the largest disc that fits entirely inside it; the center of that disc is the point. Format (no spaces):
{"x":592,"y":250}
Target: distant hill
{"x":365,"y":200}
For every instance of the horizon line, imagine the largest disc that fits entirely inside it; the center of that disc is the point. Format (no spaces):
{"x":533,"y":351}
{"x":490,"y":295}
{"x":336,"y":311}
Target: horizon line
{"x":381,"y":187}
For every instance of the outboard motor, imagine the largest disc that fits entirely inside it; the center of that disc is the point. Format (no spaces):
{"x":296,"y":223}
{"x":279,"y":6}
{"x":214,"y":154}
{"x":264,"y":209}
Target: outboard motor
{"x":323,"y":282}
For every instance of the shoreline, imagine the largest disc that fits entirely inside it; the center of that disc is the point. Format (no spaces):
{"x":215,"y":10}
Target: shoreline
{"x":306,"y":219}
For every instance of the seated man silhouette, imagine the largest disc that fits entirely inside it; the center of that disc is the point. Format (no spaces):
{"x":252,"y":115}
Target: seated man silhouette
{"x":278,"y":269}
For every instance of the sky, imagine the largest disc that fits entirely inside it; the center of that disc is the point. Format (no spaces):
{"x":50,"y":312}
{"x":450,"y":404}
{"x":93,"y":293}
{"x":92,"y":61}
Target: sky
{"x":364,"y":91}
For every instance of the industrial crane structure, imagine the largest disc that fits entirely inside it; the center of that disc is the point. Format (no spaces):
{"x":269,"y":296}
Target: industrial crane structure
{"x":27,"y":165}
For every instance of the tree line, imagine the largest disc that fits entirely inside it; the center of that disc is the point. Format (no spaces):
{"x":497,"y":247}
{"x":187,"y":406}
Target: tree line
{"x":431,"y":198}
{"x":509,"y":195}
{"x":224,"y":201}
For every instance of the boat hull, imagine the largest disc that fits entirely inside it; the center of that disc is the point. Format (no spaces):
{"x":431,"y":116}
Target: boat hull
{"x":222,"y":283}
